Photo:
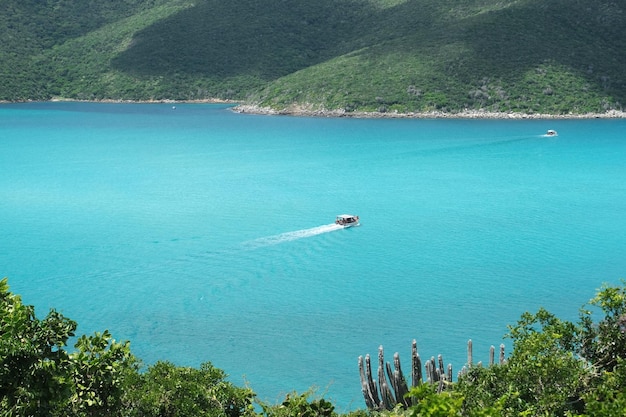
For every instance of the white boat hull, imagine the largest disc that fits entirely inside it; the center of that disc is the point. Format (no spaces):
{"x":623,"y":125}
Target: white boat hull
{"x":345,"y":226}
{"x":347,"y":220}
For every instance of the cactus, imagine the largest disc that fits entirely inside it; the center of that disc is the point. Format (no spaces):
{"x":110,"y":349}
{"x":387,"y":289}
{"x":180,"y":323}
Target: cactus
{"x":392,"y":386}
{"x":441,"y":367}
{"x":416,"y":365}
{"x":430,"y":376}
{"x":368,"y":363}
{"x":388,"y":402}
{"x":400,"y":386}
{"x":368,"y":388}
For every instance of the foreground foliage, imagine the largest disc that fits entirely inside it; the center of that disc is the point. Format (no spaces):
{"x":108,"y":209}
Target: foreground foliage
{"x":556,"y":368}
{"x":167,"y":390}
{"x":39,"y":376}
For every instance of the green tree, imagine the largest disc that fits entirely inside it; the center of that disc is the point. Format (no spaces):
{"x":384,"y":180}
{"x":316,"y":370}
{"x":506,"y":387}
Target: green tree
{"x":603,"y":343}
{"x":542,"y":377}
{"x":548,"y":374}
{"x":99,"y":367}
{"x":38,"y":377}
{"x":557,"y":367}
{"x":608,"y":397}
{"x":33,"y":377}
{"x":429,"y":403}
{"x":166,"y":390}
{"x":300,"y":405}
{"x":447,"y":403}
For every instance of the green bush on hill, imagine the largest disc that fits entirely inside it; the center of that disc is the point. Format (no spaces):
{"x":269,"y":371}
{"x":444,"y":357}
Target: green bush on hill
{"x":532,"y":56}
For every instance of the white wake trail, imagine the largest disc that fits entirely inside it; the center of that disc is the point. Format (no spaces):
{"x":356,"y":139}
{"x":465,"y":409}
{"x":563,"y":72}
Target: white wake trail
{"x":290,"y":236}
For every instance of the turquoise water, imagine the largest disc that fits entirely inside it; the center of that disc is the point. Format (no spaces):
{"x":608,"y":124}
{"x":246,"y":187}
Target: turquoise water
{"x":203,"y":235}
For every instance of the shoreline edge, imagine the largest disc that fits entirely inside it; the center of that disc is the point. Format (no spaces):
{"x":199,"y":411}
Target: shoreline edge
{"x":465,"y":114}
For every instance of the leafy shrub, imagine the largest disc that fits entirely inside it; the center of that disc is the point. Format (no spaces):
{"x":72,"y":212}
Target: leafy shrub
{"x":166,"y":390}
{"x":299,"y":405}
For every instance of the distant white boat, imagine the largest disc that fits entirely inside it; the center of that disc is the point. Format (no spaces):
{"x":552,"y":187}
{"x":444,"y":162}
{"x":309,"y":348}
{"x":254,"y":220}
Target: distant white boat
{"x":551,"y":133}
{"x":347,"y":220}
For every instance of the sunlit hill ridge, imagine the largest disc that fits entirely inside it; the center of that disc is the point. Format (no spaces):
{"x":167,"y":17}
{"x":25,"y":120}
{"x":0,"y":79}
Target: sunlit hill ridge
{"x":527,"y":56}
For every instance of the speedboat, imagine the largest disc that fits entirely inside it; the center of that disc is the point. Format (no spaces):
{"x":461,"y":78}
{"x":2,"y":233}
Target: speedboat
{"x":347,"y":220}
{"x":551,"y":133}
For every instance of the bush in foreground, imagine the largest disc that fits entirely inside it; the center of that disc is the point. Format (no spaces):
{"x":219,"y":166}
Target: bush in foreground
{"x":556,"y":368}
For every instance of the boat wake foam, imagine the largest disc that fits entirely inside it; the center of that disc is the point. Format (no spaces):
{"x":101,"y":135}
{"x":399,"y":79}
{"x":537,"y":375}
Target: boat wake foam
{"x":290,"y":236}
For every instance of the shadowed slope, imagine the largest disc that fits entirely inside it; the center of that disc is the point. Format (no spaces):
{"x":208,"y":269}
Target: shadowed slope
{"x":32,"y":27}
{"x":265,"y":39}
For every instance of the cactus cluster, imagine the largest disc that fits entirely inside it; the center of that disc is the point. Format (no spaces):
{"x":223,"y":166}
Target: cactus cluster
{"x":392,"y":386}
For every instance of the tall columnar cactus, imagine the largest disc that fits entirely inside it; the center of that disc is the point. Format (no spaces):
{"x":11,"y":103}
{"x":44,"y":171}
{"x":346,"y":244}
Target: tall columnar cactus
{"x":430,"y":371}
{"x":388,"y":401}
{"x":392,"y":386}
{"x":416,"y":366}
{"x":368,"y":387}
{"x":399,"y":383}
{"x":442,"y":369}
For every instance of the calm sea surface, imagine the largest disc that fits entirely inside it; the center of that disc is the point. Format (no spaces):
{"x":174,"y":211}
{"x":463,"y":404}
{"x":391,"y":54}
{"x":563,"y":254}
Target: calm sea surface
{"x":203,"y":235}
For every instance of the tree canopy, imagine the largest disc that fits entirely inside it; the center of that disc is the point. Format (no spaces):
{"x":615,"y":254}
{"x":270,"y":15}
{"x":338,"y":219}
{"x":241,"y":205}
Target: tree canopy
{"x":528,"y":56}
{"x":556,"y":368}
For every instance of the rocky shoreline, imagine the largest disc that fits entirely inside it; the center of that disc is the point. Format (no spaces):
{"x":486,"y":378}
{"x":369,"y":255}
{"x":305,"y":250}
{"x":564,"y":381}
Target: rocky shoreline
{"x":466,"y":114}
{"x":297,"y":110}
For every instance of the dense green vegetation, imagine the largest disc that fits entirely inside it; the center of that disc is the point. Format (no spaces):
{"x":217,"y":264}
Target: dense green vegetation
{"x":556,"y":368}
{"x":531,"y":56}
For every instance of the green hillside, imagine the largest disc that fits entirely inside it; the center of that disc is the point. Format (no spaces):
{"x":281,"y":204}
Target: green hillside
{"x":531,"y":56}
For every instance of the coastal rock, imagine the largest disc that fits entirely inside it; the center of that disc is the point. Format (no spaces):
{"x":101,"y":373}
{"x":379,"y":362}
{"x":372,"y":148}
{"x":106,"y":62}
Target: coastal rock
{"x":297,"y":110}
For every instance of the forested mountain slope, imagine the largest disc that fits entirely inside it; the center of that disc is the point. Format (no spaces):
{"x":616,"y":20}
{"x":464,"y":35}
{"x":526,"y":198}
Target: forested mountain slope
{"x":527,"y":56}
